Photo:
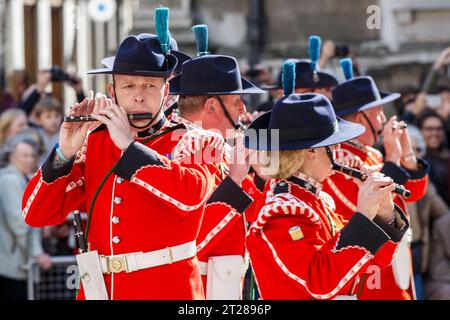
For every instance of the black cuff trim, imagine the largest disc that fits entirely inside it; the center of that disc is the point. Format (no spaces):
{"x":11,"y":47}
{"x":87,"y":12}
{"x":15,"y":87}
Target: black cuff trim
{"x":362,"y":232}
{"x":393,"y":230}
{"x":49,"y":173}
{"x":398,"y":174}
{"x":423,"y":168}
{"x":229,"y":192}
{"x":135,"y":157}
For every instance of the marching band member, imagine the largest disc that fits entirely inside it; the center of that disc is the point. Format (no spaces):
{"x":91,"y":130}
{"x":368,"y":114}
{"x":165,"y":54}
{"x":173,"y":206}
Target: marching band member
{"x":140,"y":181}
{"x":210,"y":89}
{"x":358,"y":100}
{"x":300,"y":247}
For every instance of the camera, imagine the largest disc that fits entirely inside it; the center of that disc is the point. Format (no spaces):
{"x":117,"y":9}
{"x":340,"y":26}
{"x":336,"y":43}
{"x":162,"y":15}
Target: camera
{"x":58,"y":74}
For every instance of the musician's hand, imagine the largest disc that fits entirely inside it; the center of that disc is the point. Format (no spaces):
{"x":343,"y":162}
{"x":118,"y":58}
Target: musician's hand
{"x":73,"y":134}
{"x":386,"y":202}
{"x":409,"y":160}
{"x":116,"y":119}
{"x":239,"y":161}
{"x":391,"y":140}
{"x":371,"y":195}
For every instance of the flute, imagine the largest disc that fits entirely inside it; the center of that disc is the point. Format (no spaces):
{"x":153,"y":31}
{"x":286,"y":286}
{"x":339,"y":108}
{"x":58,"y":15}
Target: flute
{"x":402,"y":126}
{"x":135,"y":116}
{"x":399,"y":189}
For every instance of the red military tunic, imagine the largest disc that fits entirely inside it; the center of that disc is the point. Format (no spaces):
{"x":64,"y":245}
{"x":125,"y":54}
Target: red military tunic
{"x":153,"y":200}
{"x":224,"y":223}
{"x":344,"y":191}
{"x":301,"y":249}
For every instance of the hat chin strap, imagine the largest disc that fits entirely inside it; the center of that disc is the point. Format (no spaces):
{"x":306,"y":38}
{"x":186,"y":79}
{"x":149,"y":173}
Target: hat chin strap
{"x":129,"y":120}
{"x":236,"y":125}
{"x":372,"y":129}
{"x":330,"y":156}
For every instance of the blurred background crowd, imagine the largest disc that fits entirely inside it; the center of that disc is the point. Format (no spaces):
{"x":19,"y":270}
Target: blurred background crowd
{"x":34,"y":99}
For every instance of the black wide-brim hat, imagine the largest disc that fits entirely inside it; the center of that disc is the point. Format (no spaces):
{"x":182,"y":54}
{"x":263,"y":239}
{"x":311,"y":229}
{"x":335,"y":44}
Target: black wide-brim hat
{"x":139,"y":56}
{"x":211,"y":75}
{"x":359,"y":94}
{"x":303,"y":121}
{"x":305,"y":78}
{"x":173,"y":47}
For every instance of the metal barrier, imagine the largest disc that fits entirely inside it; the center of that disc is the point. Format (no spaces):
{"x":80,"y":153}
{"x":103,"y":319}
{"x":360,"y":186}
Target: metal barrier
{"x":54,"y":284}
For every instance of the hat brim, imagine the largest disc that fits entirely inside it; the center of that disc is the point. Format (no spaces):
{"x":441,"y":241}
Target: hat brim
{"x":181,"y":57}
{"x":247,"y":88}
{"x":347,"y":131}
{"x":109,"y":69}
{"x":385,"y":98}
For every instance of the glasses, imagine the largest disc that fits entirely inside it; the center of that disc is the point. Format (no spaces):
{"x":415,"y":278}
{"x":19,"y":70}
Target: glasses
{"x":430,"y":129}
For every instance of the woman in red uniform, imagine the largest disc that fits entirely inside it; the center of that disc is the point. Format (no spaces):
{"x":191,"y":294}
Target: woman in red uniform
{"x":299,"y":247}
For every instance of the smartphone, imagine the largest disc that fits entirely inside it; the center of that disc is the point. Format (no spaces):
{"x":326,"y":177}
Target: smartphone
{"x":434,"y":100}
{"x":341,"y":51}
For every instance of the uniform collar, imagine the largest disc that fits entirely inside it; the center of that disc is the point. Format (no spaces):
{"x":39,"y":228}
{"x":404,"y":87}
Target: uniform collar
{"x":154,"y":128}
{"x":177,"y":118}
{"x":306,"y":182}
{"x":357,"y":144}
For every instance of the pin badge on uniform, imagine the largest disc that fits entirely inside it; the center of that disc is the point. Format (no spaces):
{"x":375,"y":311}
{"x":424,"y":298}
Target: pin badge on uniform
{"x":296,"y":233}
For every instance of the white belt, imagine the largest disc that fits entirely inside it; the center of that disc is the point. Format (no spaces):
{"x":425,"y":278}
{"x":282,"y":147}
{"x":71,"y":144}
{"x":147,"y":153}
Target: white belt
{"x":203,"y":268}
{"x":135,"y":261}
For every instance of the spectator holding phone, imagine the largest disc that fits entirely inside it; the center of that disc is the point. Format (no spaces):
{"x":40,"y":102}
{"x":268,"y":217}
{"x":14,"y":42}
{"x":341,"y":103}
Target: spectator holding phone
{"x":37,"y":90}
{"x":436,"y":72}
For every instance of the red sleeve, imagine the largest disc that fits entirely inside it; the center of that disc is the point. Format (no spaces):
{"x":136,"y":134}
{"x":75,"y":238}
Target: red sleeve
{"x":223,"y":213}
{"x":53,"y":193}
{"x":312,"y":267}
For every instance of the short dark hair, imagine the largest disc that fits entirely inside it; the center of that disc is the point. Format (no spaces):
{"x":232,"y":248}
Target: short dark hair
{"x":191,"y":104}
{"x":426,"y":115}
{"x":46,"y":104}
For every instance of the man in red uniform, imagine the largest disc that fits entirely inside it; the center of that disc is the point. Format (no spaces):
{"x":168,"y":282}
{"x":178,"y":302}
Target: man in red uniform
{"x":141,"y":181}
{"x":358,"y":100}
{"x":217,"y":106}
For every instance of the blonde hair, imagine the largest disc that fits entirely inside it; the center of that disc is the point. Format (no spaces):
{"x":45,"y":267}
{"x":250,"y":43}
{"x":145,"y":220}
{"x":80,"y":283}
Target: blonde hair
{"x":6,"y":119}
{"x":283,"y":164}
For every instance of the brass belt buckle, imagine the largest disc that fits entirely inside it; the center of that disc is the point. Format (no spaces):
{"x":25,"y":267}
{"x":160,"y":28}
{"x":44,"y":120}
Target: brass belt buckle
{"x":117,"y":263}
